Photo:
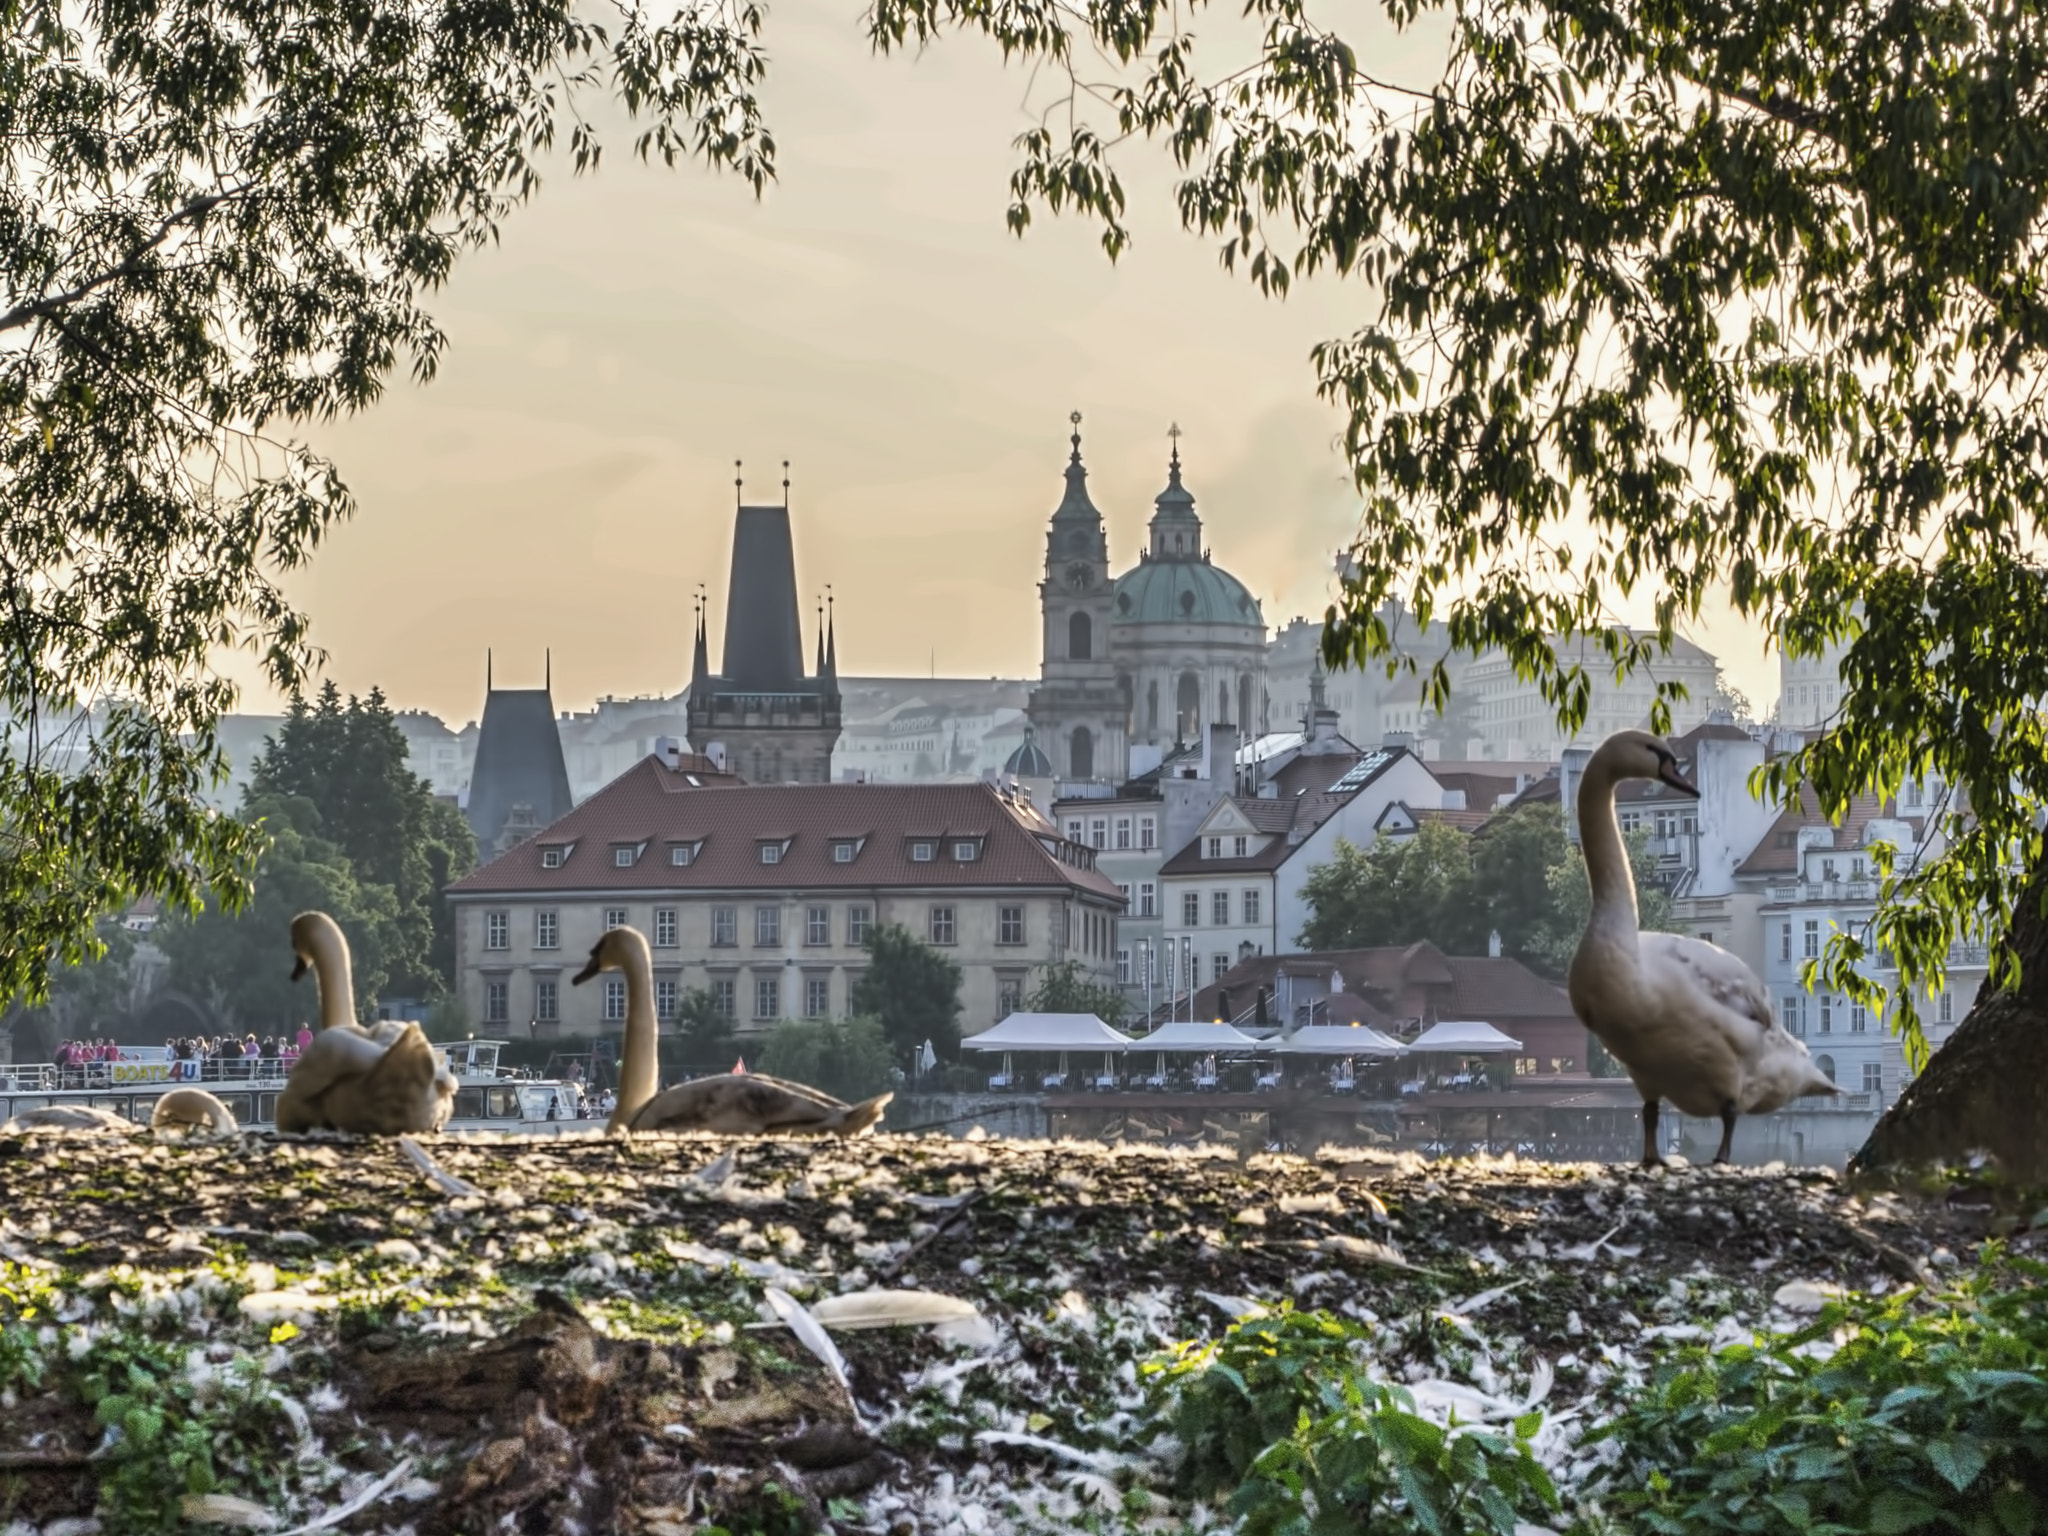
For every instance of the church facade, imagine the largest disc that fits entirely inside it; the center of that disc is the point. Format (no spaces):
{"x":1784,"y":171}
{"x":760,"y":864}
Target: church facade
{"x":1150,"y":658}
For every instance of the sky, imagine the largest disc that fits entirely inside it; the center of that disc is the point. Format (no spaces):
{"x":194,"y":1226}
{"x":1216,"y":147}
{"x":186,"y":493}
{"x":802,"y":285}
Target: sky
{"x":566,"y":482}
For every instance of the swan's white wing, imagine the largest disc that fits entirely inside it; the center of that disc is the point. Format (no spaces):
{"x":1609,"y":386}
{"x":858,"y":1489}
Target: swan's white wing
{"x":335,"y":1055}
{"x":1713,"y":972}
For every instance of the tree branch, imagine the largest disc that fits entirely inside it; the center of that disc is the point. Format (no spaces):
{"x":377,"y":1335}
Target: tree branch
{"x":192,"y":212}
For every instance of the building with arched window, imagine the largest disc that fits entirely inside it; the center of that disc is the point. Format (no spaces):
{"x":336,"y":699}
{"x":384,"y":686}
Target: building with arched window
{"x":1151,"y":658}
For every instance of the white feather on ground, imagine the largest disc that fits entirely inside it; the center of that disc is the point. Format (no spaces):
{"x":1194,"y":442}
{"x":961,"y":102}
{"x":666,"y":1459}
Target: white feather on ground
{"x":812,"y":1335}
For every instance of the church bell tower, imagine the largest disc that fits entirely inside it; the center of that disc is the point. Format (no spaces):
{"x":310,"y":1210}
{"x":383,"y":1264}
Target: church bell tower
{"x":1078,"y":708}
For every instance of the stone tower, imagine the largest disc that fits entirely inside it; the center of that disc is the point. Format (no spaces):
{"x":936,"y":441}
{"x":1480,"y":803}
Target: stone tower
{"x":770,"y":722}
{"x":1079,"y":708}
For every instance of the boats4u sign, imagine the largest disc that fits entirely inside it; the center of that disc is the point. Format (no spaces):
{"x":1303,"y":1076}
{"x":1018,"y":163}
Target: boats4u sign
{"x":154,"y":1071}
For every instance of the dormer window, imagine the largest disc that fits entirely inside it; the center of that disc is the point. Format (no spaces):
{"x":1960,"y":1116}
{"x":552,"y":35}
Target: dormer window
{"x":551,"y":858}
{"x":623,"y":857}
{"x":921,"y":852}
{"x":966,"y":851}
{"x":843,"y":850}
{"x":1237,"y":848}
{"x":771,"y":853}
{"x":680,"y":854}
{"x":1215,"y":849}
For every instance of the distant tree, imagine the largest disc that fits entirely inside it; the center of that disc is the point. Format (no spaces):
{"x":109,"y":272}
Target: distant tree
{"x":1726,"y":696}
{"x":1549,"y":949}
{"x":220,"y":221}
{"x":349,"y":761}
{"x":704,"y":1032}
{"x":241,"y":961}
{"x":1512,"y":858}
{"x":1066,"y":986}
{"x":849,"y":1060}
{"x":1398,"y":891}
{"x":913,"y":989}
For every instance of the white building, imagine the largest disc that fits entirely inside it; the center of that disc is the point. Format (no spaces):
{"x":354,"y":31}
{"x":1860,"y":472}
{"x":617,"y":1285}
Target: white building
{"x":1511,"y":719}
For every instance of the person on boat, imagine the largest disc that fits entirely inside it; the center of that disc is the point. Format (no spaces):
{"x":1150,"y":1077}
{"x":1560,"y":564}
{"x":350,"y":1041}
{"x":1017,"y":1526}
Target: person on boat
{"x":305,"y":1037}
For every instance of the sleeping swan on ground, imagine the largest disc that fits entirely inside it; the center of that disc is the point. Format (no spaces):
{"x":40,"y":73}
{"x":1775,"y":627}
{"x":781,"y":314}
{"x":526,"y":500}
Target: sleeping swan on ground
{"x":1690,"y":1022}
{"x":192,"y":1109}
{"x":384,"y":1081}
{"x":742,"y":1104}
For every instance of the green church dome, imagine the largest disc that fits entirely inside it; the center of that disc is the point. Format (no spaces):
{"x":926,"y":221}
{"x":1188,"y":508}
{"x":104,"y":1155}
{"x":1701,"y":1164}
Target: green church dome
{"x":1183,"y":592}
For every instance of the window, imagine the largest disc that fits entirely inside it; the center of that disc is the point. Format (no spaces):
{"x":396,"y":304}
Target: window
{"x":664,"y":927}
{"x":547,"y":1002}
{"x":680,"y":854}
{"x":1706,"y":938}
{"x":1123,"y":889}
{"x":614,"y":917}
{"x":1123,"y":967}
{"x":857,"y":918}
{"x":1560,"y":1065}
{"x":1009,"y":925}
{"x":1219,"y":908}
{"x":771,"y":853}
{"x":1123,"y":831}
{"x":1525,"y":1066}
{"x":842,"y":853}
{"x":1148,"y":904}
{"x":1826,"y":1065}
{"x":1785,"y":942}
{"x":1073,"y":831}
{"x":1945,"y":1010}
{"x":1810,"y":943}
{"x":964,"y":852}
{"x":942,"y":925}
{"x":551,"y":858}
{"x":921,"y":853}
{"x":547,"y":930}
{"x":1827,"y":869}
{"x":1098,"y":832}
{"x":817,"y":925}
{"x":767,"y":927}
{"x":1859,"y":1019}
{"x":666,"y":998}
{"x":495,"y":1011}
{"x":722,"y":1000}
{"x":1250,"y":898}
{"x":767,"y":997}
{"x":497,"y":930}
{"x":1827,"y":1013}
{"x":1855,"y":869}
{"x":1009,"y":997}
{"x":1145,"y":832}
{"x":1237,"y":847}
{"x":1873,"y":1077}
{"x":817,"y":996}
{"x":614,"y":999}
{"x":1218,"y":965}
{"x":725,"y":927}
{"x":1214,"y":849}
{"x":1794,"y":1023}
{"x":622,"y":858}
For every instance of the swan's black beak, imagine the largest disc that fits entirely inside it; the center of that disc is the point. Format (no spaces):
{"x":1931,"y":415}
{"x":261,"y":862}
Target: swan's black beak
{"x":590,"y":967}
{"x":1667,"y":772}
{"x":300,"y":968}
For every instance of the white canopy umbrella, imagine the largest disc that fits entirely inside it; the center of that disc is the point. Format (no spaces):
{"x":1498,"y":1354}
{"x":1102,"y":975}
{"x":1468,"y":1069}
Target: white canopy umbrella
{"x":1463,"y":1038}
{"x":1187,"y":1037}
{"x":1061,"y":1032}
{"x":1336,"y":1040}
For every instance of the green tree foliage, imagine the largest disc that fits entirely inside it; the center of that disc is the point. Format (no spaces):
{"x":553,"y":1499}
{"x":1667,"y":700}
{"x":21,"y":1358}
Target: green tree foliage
{"x":704,"y":1033}
{"x":219,"y":221}
{"x":849,"y":1060}
{"x":1662,"y":305}
{"x":1519,"y":878}
{"x":1068,"y":987}
{"x":913,"y":989}
{"x":241,"y":962}
{"x":349,"y":763}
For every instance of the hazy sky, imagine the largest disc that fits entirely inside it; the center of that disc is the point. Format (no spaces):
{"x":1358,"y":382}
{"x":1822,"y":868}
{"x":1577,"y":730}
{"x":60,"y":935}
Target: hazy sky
{"x":567,"y":480}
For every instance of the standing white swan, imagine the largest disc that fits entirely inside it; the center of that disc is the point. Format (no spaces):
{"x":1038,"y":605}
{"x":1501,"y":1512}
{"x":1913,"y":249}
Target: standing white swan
{"x":1689,"y":1021}
{"x":732,"y":1104}
{"x":384,"y":1081}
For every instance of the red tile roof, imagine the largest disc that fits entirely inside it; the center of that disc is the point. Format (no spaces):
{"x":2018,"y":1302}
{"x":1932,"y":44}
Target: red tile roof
{"x":1480,"y":986}
{"x":651,"y":807}
{"x":1777,"y":852}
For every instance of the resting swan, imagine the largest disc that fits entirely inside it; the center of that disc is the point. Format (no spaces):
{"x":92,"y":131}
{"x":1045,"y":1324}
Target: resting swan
{"x":384,"y":1081}
{"x":735,"y":1104}
{"x":193,"y":1109}
{"x":180,"y":1109}
{"x":1689,"y":1021}
{"x":72,"y":1117}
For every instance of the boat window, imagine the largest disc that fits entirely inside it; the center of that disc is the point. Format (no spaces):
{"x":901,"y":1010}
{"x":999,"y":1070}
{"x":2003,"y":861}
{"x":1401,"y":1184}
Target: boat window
{"x":139,"y":1108}
{"x":469,"y":1104}
{"x":238,"y":1106}
{"x":27,"y":1102}
{"x":266,"y":1108}
{"x":504,"y":1104}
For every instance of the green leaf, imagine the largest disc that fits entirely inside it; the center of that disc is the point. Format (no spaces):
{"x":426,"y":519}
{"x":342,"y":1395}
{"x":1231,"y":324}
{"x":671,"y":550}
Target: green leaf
{"x":1959,"y":1461}
{"x":1892,"y":1512}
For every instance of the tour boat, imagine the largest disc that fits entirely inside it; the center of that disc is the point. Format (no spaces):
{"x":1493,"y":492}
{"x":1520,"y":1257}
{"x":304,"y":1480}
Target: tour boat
{"x":488,"y":1097}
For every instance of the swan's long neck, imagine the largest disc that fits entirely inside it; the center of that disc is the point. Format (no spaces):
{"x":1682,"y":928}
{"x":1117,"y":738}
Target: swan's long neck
{"x":639,"y":1072}
{"x":337,"y":981}
{"x":1614,"y":917}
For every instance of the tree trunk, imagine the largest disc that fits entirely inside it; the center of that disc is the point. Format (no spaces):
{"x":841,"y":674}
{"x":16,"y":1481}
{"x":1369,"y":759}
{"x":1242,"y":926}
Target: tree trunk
{"x":1987,"y":1089}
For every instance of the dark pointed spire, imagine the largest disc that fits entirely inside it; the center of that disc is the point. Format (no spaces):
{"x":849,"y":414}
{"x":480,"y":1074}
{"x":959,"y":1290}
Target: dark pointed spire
{"x":1075,"y":505}
{"x":831,"y":640}
{"x":700,"y":662}
{"x":785,"y":485}
{"x":821,"y":637}
{"x":548,"y":669}
{"x":487,"y":669}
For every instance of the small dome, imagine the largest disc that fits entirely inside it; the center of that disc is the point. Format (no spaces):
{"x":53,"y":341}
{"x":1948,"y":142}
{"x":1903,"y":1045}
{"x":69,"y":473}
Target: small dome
{"x":1184,"y":592}
{"x":1029,"y":760}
